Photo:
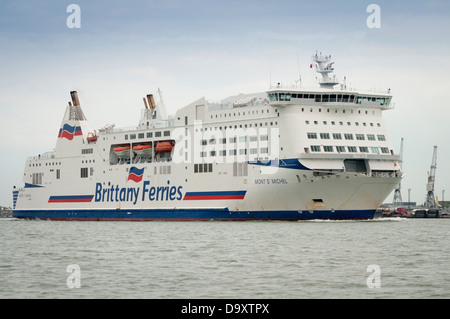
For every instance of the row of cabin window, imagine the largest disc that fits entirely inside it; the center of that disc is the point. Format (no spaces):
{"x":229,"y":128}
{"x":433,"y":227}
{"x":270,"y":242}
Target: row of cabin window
{"x":239,"y":113}
{"x":341,"y":123}
{"x":350,"y":149}
{"x":146,"y":135}
{"x":242,"y":151}
{"x":242,"y":139}
{"x":236,"y":126}
{"x":46,"y":164}
{"x":347,"y":136}
{"x":311,"y":110}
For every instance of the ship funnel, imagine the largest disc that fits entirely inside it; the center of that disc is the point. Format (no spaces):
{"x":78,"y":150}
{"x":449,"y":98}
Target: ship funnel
{"x":151,"y":101}
{"x":75,"y":100}
{"x":75,"y":110}
{"x":145,"y":103}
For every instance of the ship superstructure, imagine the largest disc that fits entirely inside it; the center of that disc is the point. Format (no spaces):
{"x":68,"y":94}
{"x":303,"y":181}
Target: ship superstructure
{"x":283,"y":154}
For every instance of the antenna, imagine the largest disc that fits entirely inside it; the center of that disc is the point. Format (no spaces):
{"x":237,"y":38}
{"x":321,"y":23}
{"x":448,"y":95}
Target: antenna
{"x":270,"y":73}
{"x":299,"y":75}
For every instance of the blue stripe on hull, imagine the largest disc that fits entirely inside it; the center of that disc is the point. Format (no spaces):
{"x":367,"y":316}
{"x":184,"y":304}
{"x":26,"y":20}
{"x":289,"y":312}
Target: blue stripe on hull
{"x":190,"y":214}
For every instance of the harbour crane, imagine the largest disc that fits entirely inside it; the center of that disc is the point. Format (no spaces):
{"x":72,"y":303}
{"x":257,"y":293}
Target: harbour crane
{"x":430,"y":201}
{"x":397,"y":194}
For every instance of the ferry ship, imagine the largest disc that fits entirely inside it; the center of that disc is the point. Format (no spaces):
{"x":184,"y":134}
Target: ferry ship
{"x":287,"y":153}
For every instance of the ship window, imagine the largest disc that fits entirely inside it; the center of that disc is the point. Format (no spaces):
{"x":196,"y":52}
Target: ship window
{"x":340,"y":149}
{"x":312,"y":135}
{"x":371,"y":137}
{"x":166,"y":133}
{"x":384,"y":150}
{"x":240,"y":169}
{"x":325,"y":136}
{"x":325,"y":98}
{"x":360,"y":137}
{"x":126,"y":136}
{"x":374,"y":150}
{"x":318,"y":98}
{"x":58,"y":174}
{"x":315,"y":148}
{"x":300,"y":96}
{"x":333,"y":98}
{"x":348,"y":136}
{"x":84,"y":172}
{"x":150,"y":134}
{"x":264,"y":150}
{"x":337,"y":136}
{"x":282,"y":96}
{"x":203,"y":168}
{"x":328,"y":148}
{"x":363,"y":149}
{"x":381,"y":138}
{"x":157,"y":134}
{"x":273,"y":97}
{"x":352,"y":149}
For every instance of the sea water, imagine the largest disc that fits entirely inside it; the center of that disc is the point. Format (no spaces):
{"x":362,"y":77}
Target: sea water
{"x":381,"y":258}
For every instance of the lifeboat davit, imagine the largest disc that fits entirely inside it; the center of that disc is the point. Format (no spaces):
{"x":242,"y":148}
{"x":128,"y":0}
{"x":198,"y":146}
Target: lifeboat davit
{"x":122,"y":151}
{"x":143,"y":150}
{"x":164,"y":147}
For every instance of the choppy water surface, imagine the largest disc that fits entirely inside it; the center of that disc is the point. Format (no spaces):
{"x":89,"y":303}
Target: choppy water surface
{"x":313,"y":259}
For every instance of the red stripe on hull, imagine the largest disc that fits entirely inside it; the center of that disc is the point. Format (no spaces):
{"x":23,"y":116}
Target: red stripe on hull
{"x":215,"y":197}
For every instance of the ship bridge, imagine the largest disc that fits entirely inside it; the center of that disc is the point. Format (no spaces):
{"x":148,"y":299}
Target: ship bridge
{"x":281,"y":96}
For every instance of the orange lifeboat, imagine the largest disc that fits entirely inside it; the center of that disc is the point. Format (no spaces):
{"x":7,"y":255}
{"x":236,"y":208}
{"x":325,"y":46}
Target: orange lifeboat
{"x":144,"y":150}
{"x":122,"y":151}
{"x":164,"y":147}
{"x":91,"y":138}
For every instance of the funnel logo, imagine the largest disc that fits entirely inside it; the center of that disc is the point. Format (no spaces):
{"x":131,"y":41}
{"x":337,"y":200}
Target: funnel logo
{"x":69,"y":132}
{"x":136,"y":174}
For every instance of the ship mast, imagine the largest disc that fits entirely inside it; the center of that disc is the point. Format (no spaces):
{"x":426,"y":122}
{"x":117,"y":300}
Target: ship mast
{"x":324,"y":67}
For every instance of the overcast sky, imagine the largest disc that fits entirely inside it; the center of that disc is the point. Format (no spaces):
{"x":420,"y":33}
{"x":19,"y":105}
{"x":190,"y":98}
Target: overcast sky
{"x":127,"y":49}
